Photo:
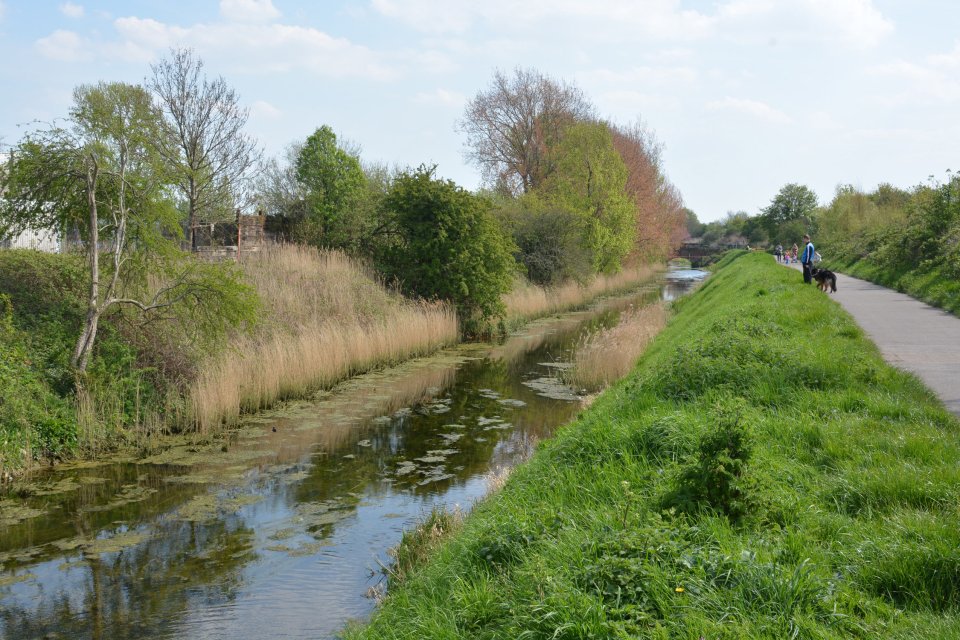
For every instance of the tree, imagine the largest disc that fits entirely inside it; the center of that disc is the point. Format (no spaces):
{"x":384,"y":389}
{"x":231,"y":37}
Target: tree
{"x":795,"y":203}
{"x":449,"y":246}
{"x":332,"y":181}
{"x":659,"y":218}
{"x":513,"y":126}
{"x":103,"y":175}
{"x":207,"y":149}
{"x":590,"y":179}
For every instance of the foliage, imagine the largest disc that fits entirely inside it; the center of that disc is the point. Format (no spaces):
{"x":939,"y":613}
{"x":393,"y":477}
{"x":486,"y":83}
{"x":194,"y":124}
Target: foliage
{"x":450,"y":247}
{"x":906,"y":240}
{"x":718,"y":478}
{"x":590,"y":180}
{"x":332,"y":182}
{"x":34,"y":421}
{"x":789,"y":213}
{"x":550,"y":245}
{"x":844,"y":468}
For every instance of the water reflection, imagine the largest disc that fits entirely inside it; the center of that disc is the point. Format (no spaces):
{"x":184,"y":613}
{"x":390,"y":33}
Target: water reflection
{"x":280,"y":532}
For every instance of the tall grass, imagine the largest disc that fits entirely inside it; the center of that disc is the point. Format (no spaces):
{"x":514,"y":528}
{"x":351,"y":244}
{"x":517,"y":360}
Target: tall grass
{"x":603,"y":357}
{"x":326,"y":318}
{"x":527,"y":301}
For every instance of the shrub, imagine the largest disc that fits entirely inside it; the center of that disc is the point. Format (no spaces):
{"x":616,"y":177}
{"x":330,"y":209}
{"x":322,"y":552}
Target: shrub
{"x":450,"y":247}
{"x":719,"y":477}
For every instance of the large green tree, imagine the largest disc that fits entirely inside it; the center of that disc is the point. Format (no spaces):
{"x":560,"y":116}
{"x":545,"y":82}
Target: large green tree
{"x":589,"y":179}
{"x":448,"y":246}
{"x":789,"y":213}
{"x":333,"y":183}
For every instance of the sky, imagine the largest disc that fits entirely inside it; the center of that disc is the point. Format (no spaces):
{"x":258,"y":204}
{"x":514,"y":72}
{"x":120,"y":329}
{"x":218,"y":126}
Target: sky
{"x":744,"y":95}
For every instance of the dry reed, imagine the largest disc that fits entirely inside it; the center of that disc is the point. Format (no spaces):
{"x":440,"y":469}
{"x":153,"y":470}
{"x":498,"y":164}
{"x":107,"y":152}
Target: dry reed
{"x":603,"y":357}
{"x":327,"y":318}
{"x":530,"y":301}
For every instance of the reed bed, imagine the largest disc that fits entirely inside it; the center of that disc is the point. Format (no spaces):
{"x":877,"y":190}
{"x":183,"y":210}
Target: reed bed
{"x":326,"y":318}
{"x":605,"y":356}
{"x":529,"y":301}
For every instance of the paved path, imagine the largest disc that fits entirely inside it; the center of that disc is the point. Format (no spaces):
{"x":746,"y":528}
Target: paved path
{"x":911,"y":335}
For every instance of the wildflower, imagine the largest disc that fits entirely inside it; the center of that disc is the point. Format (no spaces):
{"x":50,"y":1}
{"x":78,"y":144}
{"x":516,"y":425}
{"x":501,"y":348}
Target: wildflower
{"x":679,"y":589}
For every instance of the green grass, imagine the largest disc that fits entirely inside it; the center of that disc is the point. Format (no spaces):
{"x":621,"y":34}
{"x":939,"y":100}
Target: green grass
{"x":761,"y":474}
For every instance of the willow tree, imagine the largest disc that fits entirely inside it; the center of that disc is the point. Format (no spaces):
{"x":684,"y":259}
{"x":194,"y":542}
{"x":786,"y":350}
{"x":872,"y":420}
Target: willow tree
{"x":101,"y":175}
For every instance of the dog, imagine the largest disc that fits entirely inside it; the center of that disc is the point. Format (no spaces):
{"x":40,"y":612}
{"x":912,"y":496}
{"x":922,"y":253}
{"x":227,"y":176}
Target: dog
{"x":825,"y":279}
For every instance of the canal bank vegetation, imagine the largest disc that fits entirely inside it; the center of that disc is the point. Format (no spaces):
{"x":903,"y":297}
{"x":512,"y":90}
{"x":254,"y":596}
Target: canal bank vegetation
{"x":761,"y":474}
{"x":128,"y":333}
{"x":603,"y":357}
{"x":906,"y":240}
{"x":328,"y":318}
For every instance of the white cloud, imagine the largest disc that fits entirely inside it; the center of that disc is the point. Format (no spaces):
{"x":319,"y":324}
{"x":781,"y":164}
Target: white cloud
{"x":932,"y":83}
{"x":71,"y":10}
{"x":949,"y":60}
{"x":855,"y":23}
{"x":65,"y":46}
{"x":652,"y":18}
{"x":852,"y":23}
{"x":256,"y":48}
{"x":753,"y":108}
{"x":645,"y":75}
{"x":442,"y":97}
{"x":263,"y":109}
{"x":249,"y":10}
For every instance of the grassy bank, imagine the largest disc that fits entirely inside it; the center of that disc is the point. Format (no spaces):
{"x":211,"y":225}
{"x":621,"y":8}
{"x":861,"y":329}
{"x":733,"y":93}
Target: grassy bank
{"x":761,"y":474}
{"x":321,"y":318}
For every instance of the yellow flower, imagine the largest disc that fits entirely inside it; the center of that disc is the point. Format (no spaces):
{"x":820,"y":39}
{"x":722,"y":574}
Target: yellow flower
{"x":679,"y":589}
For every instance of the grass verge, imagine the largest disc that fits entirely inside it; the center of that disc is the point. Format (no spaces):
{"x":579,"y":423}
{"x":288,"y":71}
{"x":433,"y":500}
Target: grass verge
{"x":760,"y":474}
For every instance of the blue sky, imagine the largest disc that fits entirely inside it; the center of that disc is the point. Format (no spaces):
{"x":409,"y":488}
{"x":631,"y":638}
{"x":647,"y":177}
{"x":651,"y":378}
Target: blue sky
{"x":745,"y":95}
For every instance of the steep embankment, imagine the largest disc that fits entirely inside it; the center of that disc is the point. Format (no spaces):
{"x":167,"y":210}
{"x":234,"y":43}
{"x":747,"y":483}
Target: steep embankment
{"x":761,"y":474}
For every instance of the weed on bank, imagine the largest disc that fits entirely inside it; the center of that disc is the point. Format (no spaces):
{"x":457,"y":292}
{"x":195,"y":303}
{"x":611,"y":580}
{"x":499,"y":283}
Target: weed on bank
{"x":761,"y":474}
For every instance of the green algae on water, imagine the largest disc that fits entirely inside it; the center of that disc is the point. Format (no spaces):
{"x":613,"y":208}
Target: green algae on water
{"x":13,"y":513}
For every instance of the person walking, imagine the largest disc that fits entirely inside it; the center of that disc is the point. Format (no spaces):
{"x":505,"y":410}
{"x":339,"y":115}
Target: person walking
{"x":796,"y":252}
{"x":807,"y":259}
{"x":779,"y":252}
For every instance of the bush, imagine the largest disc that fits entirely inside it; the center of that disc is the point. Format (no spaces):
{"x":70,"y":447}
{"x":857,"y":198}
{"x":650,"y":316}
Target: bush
{"x":34,"y":421}
{"x":719,"y":477}
{"x":449,"y":247}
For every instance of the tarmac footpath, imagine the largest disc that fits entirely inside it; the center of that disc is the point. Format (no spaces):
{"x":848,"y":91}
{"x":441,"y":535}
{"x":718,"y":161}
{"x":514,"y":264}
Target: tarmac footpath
{"x":911,"y":334}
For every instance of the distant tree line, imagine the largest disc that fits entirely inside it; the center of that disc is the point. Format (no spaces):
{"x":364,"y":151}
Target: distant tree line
{"x":905,"y":238}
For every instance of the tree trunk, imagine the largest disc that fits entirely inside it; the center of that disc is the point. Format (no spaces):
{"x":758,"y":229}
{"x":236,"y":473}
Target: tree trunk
{"x":81,"y":354}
